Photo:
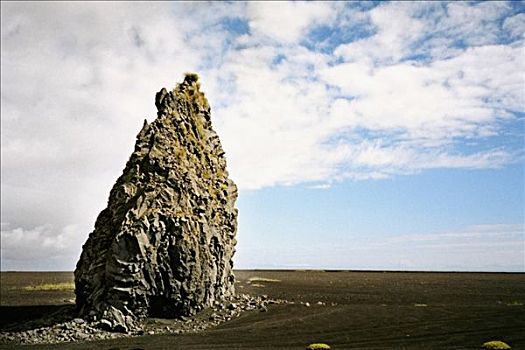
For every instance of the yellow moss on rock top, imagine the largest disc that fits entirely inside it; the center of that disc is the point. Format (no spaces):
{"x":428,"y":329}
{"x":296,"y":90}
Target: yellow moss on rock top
{"x":191,"y":77}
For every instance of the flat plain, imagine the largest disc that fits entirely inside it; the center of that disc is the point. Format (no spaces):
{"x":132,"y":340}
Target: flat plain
{"x":347,"y":310}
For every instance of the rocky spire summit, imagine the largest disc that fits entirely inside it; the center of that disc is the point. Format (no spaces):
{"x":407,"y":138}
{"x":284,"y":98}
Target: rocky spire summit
{"x":163,"y":247}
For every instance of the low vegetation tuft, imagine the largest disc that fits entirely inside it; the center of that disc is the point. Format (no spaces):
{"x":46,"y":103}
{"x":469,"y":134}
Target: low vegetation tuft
{"x":318,"y":346}
{"x":52,"y":286}
{"x":495,"y":345}
{"x":261,"y":279}
{"x":191,"y":77}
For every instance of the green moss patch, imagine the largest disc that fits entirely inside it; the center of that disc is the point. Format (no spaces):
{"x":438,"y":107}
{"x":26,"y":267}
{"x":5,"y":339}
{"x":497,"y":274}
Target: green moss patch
{"x":318,"y":346}
{"x":51,"y":286}
{"x":495,"y":345}
{"x":261,"y":279}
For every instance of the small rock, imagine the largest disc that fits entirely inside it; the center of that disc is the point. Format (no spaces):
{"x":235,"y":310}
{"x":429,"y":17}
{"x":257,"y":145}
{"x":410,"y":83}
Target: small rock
{"x":104,"y":324}
{"x":81,"y":336}
{"x":307,"y":304}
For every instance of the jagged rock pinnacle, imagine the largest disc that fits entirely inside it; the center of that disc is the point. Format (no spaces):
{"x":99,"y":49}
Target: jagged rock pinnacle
{"x":164,"y":245}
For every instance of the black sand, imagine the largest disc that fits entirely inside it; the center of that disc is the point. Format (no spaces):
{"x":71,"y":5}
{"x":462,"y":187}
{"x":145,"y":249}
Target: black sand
{"x":357,"y":310}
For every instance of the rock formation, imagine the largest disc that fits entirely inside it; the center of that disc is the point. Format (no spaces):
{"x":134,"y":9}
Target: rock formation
{"x":163,"y":247}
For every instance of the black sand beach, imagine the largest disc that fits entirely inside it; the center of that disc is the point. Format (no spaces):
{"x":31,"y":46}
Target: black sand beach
{"x":347,"y":310}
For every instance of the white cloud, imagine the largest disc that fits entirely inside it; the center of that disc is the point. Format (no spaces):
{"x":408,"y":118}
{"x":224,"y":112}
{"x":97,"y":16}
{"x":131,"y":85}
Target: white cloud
{"x":485,"y":232}
{"x":441,"y":30}
{"x":475,"y":25}
{"x":396,"y":31}
{"x":276,"y":107}
{"x":486,"y":247}
{"x":41,"y":246}
{"x":447,"y":98}
{"x":515,"y":25}
{"x":284,"y":115}
{"x":287,"y":21}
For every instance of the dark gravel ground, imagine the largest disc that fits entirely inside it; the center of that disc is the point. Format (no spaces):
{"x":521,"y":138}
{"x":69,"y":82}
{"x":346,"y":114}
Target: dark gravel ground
{"x":348,"y":310}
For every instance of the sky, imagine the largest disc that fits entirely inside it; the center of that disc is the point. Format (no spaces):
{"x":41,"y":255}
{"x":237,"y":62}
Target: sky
{"x":361,"y":135}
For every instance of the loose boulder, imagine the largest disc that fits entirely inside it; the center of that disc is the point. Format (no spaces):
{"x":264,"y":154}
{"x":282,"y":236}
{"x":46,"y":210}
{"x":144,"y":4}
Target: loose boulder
{"x":164,"y":245}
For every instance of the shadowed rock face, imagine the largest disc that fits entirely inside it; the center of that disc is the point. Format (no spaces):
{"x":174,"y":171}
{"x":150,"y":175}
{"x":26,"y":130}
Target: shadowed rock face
{"x":163,"y":247}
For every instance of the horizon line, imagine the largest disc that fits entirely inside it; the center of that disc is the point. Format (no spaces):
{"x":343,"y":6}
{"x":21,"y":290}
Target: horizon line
{"x":309,"y":270}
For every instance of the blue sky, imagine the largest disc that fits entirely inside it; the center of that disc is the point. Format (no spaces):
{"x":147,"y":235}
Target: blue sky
{"x":361,"y":135}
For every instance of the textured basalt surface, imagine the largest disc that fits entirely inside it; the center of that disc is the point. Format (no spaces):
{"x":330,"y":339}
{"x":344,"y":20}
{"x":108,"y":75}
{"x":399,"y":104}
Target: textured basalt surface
{"x":163,"y":247}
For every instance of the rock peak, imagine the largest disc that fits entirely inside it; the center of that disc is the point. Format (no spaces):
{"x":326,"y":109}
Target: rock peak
{"x":189,"y":90}
{"x":191,"y":79}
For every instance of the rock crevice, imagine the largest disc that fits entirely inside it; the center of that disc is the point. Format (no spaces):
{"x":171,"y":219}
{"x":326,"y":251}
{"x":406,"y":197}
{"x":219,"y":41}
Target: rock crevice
{"x":164,"y":245}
